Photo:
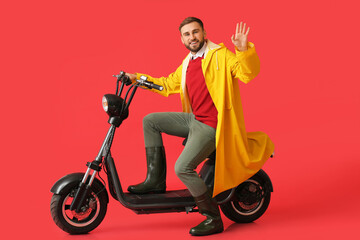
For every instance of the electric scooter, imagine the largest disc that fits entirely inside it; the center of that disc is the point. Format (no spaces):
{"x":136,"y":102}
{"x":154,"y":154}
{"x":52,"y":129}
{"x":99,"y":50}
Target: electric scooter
{"x":79,"y":201}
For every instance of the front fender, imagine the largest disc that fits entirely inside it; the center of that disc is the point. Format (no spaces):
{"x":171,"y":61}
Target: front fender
{"x":72,"y":180}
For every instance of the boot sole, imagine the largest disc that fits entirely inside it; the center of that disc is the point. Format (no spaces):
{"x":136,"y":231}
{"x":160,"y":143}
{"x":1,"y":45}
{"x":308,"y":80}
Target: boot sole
{"x":206,"y":234}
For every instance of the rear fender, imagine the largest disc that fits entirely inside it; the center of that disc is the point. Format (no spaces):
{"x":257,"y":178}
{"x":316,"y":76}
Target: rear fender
{"x":266,"y":178}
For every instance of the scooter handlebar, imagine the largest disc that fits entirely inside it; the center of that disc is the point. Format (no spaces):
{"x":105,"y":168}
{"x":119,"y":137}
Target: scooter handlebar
{"x":144,"y":82}
{"x":123,"y":77}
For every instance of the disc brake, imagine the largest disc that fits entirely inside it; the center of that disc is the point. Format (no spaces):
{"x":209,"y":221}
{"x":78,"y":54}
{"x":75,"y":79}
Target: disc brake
{"x":86,"y":210}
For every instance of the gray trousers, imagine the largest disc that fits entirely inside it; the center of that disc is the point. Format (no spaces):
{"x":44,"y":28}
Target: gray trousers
{"x":200,"y":143}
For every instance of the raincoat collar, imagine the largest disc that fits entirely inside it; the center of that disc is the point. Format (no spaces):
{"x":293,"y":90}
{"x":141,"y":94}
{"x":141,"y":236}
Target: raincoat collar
{"x":210,"y":50}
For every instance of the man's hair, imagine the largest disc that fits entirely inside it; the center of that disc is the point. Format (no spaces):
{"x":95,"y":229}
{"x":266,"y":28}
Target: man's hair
{"x":190,"y":20}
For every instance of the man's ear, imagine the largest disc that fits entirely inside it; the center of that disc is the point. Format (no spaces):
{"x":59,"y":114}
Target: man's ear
{"x":182,"y":40}
{"x":204,"y":34}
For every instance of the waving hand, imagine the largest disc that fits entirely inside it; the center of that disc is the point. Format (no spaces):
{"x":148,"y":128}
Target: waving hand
{"x":240,"y":38}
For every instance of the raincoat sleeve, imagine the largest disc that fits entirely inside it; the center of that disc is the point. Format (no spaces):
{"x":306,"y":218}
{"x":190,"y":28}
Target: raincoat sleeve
{"x":171,"y":84}
{"x":244,"y":65}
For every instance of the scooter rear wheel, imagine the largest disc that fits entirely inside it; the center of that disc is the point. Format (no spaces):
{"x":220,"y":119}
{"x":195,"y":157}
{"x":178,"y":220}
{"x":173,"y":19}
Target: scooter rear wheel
{"x":250,"y":202}
{"x":91,"y":215}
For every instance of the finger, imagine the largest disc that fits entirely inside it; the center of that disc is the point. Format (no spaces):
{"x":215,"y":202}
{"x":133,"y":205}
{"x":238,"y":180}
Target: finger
{"x":247,"y":32}
{"x":233,"y":39}
{"x":237,"y":28}
{"x":240,"y":28}
{"x":244,"y":28}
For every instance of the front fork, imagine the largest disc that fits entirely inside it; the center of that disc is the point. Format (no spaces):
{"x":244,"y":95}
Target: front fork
{"x":85,"y":186}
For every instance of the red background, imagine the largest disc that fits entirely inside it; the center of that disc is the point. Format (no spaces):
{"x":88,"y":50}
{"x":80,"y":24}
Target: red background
{"x":57,"y":60}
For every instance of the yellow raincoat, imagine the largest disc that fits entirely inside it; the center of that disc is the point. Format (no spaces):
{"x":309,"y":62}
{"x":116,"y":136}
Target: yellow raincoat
{"x":239,"y":154}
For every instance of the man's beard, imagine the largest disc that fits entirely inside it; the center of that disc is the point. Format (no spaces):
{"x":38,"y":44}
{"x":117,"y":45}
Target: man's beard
{"x":196,"y":49}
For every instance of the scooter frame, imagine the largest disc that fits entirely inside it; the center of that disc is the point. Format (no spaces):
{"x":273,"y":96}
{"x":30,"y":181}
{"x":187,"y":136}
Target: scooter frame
{"x":170,"y":201}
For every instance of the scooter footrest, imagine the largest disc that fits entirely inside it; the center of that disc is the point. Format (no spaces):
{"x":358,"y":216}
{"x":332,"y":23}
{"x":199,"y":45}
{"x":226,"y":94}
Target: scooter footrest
{"x":177,"y":198}
{"x":161,"y":210}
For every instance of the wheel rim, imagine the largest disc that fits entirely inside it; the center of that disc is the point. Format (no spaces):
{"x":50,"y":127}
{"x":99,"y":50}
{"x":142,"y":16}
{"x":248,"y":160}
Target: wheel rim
{"x":250,"y":198}
{"x":89,"y":212}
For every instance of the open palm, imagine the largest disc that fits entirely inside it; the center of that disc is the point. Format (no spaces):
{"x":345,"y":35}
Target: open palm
{"x":240,"y":39}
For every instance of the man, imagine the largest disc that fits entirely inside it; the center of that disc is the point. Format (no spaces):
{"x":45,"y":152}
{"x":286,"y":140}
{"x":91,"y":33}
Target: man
{"x":212,"y":119}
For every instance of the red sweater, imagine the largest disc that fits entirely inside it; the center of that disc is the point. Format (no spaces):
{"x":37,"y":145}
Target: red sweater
{"x":202,"y":105}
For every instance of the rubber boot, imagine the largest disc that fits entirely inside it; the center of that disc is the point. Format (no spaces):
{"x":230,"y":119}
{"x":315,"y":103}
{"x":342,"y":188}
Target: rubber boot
{"x":209,"y":208}
{"x":155,"y":181}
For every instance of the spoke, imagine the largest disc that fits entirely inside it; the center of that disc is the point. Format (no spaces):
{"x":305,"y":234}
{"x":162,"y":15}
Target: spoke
{"x":67,"y":207}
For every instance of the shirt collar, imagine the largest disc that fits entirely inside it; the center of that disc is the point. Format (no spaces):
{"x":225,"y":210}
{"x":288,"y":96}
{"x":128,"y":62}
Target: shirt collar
{"x":200,"y":53}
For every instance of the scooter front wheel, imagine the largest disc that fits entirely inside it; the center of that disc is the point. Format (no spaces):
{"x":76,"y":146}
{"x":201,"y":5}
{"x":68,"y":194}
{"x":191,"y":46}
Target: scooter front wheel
{"x":92,"y":212}
{"x":250,"y":202}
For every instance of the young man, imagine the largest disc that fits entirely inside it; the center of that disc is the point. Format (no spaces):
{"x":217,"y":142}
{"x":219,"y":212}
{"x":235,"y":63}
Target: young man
{"x":212,"y":118}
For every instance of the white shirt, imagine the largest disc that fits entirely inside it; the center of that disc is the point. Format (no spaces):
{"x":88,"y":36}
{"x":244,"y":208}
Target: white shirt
{"x":200,"y":53}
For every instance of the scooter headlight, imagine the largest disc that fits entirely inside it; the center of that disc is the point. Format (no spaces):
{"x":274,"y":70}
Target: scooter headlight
{"x":105,"y":104}
{"x":113,"y":105}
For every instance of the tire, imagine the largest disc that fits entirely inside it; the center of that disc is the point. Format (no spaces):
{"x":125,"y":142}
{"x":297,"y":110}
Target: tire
{"x":251,"y":200}
{"x":92,"y":214}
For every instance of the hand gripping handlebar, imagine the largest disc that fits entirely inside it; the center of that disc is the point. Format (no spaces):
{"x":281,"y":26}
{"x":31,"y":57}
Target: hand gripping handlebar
{"x":142,"y":81}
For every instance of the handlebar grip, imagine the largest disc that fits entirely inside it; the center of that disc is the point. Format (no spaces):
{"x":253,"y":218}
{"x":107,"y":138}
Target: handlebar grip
{"x":126,"y":80}
{"x":157,"y":87}
{"x":143,"y":81}
{"x":123,"y":77}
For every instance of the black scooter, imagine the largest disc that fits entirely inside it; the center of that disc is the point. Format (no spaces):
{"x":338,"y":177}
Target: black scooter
{"x":79,"y":201}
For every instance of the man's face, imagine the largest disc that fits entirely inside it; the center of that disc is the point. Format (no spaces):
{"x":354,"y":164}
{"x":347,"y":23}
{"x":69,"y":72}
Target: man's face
{"x":193,"y":36}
